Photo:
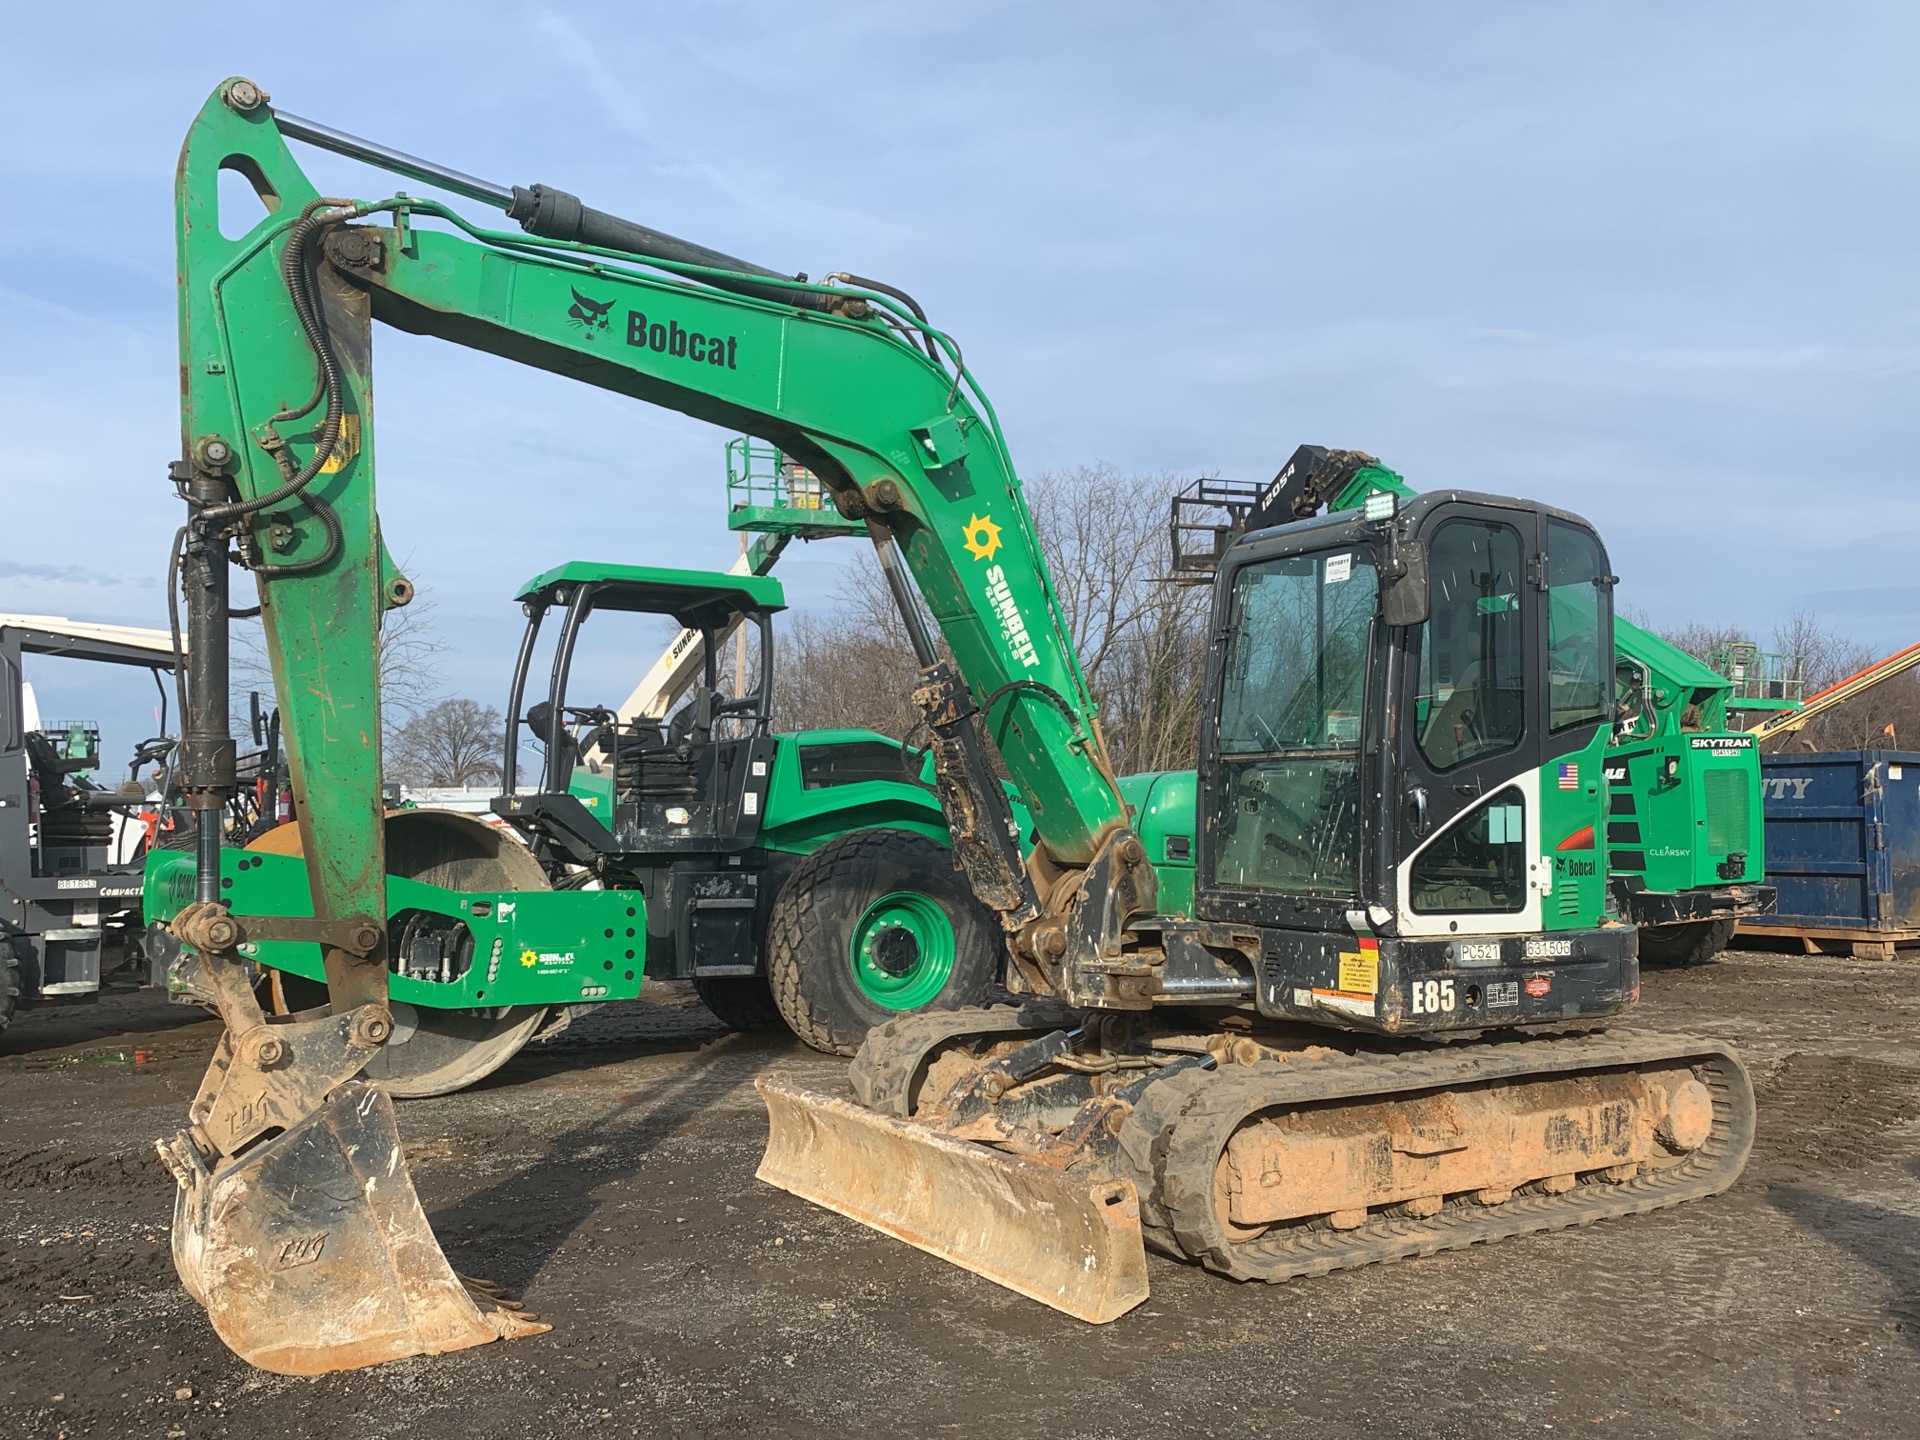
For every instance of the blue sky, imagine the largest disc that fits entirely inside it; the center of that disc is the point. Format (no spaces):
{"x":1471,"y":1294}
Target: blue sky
{"x":1655,"y":263}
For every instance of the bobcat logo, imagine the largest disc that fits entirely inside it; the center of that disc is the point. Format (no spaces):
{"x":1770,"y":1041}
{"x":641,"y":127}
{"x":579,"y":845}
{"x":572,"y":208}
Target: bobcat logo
{"x":588,"y":315}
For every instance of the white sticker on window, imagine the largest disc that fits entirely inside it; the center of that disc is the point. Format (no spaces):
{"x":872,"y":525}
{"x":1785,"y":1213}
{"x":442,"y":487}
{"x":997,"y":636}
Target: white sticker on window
{"x":750,"y":802}
{"x":1339,"y":568}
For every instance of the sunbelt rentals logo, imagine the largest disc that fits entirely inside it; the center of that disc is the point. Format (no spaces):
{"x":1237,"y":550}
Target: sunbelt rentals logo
{"x":982,"y":538}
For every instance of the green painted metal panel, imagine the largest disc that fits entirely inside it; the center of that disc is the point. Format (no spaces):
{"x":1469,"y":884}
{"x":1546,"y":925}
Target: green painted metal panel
{"x":243,"y":361}
{"x":1162,"y":804}
{"x":658,"y":589}
{"x":538,"y":947}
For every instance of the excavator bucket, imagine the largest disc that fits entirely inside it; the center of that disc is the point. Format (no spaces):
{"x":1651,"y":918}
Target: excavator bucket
{"x":1063,"y":1240}
{"x":311,"y":1253}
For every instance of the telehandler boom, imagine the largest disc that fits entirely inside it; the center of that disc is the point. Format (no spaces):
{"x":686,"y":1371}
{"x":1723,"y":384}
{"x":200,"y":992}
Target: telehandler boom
{"x":1403,"y":843}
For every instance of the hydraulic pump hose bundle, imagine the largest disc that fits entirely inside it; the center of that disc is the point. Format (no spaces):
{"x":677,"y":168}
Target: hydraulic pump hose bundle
{"x":296,"y":269}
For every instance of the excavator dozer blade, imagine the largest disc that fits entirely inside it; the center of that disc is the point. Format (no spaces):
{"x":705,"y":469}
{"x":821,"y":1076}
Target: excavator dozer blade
{"x":1063,"y":1240}
{"x":311,"y":1253}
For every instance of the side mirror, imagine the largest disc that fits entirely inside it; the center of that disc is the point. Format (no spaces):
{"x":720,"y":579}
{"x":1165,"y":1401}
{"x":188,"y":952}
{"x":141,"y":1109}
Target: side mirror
{"x":540,"y":722}
{"x":256,"y":718}
{"x":1403,"y":600}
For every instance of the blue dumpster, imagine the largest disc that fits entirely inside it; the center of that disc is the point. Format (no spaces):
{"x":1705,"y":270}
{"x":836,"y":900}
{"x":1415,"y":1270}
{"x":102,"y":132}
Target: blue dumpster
{"x":1843,"y":848}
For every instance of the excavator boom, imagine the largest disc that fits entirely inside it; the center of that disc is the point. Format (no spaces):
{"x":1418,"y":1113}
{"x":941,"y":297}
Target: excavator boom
{"x":277,"y":468}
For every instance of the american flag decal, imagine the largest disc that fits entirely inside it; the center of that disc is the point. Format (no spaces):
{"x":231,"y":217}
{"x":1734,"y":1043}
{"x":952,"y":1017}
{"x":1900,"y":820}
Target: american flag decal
{"x":1569,"y":775}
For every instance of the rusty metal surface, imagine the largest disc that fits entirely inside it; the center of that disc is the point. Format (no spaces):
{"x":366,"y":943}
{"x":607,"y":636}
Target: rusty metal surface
{"x":311,"y":1254}
{"x":1067,"y":1241}
{"x":1487,"y":1141}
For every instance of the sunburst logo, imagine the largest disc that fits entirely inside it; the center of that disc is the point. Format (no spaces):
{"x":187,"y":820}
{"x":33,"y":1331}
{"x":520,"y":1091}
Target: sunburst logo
{"x":982,"y":537}
{"x":529,"y":958}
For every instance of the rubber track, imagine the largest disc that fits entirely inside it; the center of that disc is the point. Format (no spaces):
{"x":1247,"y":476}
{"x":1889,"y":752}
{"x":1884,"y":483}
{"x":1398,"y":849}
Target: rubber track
{"x":1184,"y":1164}
{"x":886,"y":1067}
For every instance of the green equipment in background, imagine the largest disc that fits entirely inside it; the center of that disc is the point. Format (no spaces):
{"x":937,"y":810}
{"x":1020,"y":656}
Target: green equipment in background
{"x":670,"y":843}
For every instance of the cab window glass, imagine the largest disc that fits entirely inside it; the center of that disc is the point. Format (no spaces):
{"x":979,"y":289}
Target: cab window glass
{"x":1577,"y":604}
{"x":1478,"y":866}
{"x":1297,"y":671}
{"x":1286,"y":798}
{"x":1472,"y":697}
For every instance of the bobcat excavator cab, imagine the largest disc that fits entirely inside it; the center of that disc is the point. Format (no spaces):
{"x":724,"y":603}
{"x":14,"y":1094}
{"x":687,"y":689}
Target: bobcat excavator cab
{"x":1403,"y":840}
{"x":1683,"y":807}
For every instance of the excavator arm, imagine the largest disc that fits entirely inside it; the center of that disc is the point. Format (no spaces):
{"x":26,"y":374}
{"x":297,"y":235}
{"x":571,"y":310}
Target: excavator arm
{"x":278,"y":467}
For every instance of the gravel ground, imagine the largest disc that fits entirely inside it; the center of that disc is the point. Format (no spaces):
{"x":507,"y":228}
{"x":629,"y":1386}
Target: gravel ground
{"x":607,"y":1177}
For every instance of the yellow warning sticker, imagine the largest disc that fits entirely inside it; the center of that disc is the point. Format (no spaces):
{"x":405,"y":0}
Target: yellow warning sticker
{"x":1360,"y":971}
{"x":345,"y":447}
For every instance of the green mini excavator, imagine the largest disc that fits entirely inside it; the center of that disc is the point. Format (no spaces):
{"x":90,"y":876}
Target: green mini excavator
{"x":1381,"y":1031}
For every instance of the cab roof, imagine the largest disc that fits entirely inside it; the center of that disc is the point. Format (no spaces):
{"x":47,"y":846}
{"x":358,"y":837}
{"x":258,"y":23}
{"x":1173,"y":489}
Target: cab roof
{"x":698,"y":599}
{"x":85,"y":640}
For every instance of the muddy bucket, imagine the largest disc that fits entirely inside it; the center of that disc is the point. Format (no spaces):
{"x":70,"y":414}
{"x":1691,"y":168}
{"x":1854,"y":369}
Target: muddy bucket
{"x":1064,"y":1240}
{"x":311,"y":1253}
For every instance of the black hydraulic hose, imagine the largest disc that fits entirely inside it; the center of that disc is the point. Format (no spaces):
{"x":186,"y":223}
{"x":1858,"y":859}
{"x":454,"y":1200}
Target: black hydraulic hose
{"x":905,"y":299}
{"x":173,"y":620}
{"x":1046,"y":692}
{"x":296,"y":272}
{"x":324,"y":513}
{"x":556,"y":215}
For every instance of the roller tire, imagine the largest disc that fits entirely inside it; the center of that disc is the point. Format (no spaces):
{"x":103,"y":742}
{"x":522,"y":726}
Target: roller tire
{"x":740,"y":1002}
{"x":1697,"y":943}
{"x":823,"y":904}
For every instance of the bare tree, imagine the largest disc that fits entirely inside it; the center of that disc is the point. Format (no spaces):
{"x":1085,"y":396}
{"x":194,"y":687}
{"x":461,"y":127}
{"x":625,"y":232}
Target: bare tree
{"x":847,"y":668}
{"x":1876,"y":718}
{"x":1826,"y":656}
{"x":456,"y":742}
{"x":410,"y":678}
{"x":1140,"y":639}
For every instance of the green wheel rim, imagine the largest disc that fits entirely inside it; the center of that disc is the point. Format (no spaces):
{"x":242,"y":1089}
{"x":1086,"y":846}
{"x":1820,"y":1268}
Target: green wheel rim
{"x":902,"y":951}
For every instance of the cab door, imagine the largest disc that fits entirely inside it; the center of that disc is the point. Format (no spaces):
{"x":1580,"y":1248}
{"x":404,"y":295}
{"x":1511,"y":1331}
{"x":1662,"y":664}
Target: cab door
{"x":1508,"y":674}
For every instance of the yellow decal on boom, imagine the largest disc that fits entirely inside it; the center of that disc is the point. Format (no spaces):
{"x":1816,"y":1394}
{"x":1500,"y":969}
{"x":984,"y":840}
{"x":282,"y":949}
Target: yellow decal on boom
{"x":982,"y":537}
{"x":345,"y":447}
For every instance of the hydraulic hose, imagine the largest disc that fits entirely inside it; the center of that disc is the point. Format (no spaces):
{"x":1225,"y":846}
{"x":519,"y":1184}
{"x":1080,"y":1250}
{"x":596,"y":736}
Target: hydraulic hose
{"x":557,"y":215}
{"x":296,"y":271}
